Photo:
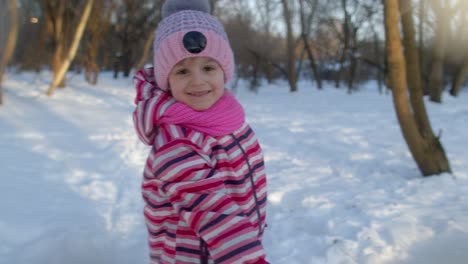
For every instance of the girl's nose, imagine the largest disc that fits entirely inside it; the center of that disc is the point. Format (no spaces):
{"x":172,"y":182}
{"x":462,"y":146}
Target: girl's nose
{"x":197,"y":78}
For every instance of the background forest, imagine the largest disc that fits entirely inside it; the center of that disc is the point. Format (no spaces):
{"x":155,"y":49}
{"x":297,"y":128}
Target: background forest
{"x":339,"y":41}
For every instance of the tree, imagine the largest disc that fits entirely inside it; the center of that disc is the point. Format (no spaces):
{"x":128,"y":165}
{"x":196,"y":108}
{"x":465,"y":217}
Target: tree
{"x":135,"y":19}
{"x":55,"y":15}
{"x":443,"y":14}
{"x":98,"y":25}
{"x":146,"y":50}
{"x":258,"y":52}
{"x":422,"y":60}
{"x":462,"y":70}
{"x":306,"y":21}
{"x":152,"y":24}
{"x":426,"y":149}
{"x":376,"y":52}
{"x":347,"y":31}
{"x":265,"y":9}
{"x":291,"y":46}
{"x":213,"y":5}
{"x":11,"y":42}
{"x":63,"y":66}
{"x":460,"y":76}
{"x":350,"y":58}
{"x":31,"y":29}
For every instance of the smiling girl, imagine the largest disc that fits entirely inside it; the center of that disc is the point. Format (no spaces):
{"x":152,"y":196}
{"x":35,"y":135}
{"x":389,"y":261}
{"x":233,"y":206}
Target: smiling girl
{"x":204,"y":182}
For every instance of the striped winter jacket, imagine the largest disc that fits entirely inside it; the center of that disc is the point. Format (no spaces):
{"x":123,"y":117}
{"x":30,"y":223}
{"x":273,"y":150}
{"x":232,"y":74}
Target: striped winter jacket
{"x":205,"y":197}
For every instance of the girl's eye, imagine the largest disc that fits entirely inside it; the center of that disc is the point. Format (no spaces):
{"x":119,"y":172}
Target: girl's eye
{"x":182,"y":72}
{"x":209,"y":68}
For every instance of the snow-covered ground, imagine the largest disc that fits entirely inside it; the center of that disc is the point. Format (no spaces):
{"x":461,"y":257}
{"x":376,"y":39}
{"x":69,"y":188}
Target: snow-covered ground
{"x":343,"y":187}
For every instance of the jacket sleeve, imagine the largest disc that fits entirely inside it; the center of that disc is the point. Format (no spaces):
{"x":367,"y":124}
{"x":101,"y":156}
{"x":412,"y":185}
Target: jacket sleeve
{"x":189,"y":180}
{"x":150,"y":100}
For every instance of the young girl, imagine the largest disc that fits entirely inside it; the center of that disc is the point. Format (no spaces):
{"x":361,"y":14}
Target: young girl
{"x":204,"y":183}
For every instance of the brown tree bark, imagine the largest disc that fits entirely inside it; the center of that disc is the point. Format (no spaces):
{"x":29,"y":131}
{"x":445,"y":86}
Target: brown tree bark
{"x":413,"y":69}
{"x":213,"y":5}
{"x":460,"y":77}
{"x":54,"y":20}
{"x":346,"y":40}
{"x":291,"y":46}
{"x":73,"y":48}
{"x":422,"y":60}
{"x":91,"y":68}
{"x":96,"y":27}
{"x":462,"y":70}
{"x":380,"y":71}
{"x":428,"y":154}
{"x":266,"y":8}
{"x":354,"y":66}
{"x":305,"y":28}
{"x":436,"y":76}
{"x":11,"y":42}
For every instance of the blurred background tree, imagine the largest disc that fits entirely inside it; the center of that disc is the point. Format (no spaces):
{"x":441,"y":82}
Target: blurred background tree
{"x":8,"y":36}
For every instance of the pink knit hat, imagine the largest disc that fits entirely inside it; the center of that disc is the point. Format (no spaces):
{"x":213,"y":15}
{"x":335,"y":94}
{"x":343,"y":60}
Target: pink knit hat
{"x":188,"y":30}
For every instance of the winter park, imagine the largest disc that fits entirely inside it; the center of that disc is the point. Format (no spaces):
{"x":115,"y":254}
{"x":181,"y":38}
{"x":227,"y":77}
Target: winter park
{"x":360,"y":109}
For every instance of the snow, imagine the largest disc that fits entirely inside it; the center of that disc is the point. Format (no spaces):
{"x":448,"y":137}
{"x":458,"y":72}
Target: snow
{"x":342,"y":185}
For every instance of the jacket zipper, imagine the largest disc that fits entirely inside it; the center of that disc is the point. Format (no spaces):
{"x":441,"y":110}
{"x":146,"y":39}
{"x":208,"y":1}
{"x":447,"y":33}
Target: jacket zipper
{"x":252,"y":183}
{"x":203,"y":252}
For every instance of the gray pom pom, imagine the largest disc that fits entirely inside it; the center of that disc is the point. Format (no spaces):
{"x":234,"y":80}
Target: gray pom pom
{"x":172,"y":6}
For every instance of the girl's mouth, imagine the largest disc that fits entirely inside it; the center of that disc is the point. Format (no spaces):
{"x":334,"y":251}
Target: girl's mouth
{"x":199,"y":94}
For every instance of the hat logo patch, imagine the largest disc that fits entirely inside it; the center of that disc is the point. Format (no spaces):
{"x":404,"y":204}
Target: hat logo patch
{"x":194,"y":42}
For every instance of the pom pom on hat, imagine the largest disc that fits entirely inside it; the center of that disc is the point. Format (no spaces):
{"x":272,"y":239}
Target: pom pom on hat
{"x":173,"y":6}
{"x":188,"y":30}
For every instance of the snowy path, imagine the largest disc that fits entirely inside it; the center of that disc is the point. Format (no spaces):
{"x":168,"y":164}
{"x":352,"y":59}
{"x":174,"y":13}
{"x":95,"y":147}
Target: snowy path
{"x":71,"y":163}
{"x":342,"y":186}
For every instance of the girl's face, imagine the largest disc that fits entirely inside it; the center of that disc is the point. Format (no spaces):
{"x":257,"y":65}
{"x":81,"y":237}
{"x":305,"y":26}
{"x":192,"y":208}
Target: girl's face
{"x":198,"y":82}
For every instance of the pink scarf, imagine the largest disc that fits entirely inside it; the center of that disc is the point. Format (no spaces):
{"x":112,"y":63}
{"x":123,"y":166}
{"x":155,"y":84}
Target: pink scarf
{"x":224,"y":117}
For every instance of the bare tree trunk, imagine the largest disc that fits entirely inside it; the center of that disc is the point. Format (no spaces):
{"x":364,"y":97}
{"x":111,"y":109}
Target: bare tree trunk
{"x":413,"y":71}
{"x":212,"y":8}
{"x":91,"y":68}
{"x":415,"y":91}
{"x":92,"y":72}
{"x":378,"y":55}
{"x":73,"y":48}
{"x":346,"y":39}
{"x":97,"y":25}
{"x":255,"y":70}
{"x":146,"y":50}
{"x":305,"y":28}
{"x":429,"y":155}
{"x":354,"y":66}
{"x":313,"y":64}
{"x":54,"y":17}
{"x":301,"y":60}
{"x":266,"y":8}
{"x":436,"y":77}
{"x":11,"y":42}
{"x":462,"y":70}
{"x":460,"y":77}
{"x":291,"y":64}
{"x":422,"y":61}
{"x":339,"y":76}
